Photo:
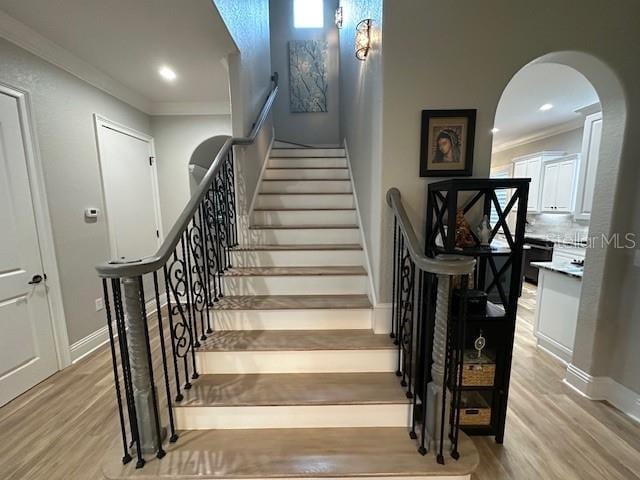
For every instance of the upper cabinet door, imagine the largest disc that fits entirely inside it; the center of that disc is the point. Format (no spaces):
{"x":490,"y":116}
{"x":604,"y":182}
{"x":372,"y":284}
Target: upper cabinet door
{"x":549,"y":187}
{"x":564,"y":186}
{"x":534,"y":170}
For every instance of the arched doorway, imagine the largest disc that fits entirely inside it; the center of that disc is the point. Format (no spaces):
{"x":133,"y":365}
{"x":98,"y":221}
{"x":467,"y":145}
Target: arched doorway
{"x":588,"y":352}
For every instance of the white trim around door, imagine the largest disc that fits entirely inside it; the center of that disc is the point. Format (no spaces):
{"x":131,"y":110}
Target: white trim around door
{"x":103,"y":122}
{"x":43,"y":223}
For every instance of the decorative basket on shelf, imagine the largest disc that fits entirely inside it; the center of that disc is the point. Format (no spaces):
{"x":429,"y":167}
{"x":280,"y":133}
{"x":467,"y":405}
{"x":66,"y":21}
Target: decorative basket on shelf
{"x":474,"y":410}
{"x":478,"y":371}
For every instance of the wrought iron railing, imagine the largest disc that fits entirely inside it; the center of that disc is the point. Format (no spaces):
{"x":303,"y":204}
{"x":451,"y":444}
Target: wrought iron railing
{"x":429,"y":336}
{"x":186,"y":275}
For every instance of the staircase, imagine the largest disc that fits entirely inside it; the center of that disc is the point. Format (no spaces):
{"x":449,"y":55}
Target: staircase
{"x":294,"y":383}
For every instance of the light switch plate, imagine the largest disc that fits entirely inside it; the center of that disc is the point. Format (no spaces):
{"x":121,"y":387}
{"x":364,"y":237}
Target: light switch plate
{"x":99,"y":304}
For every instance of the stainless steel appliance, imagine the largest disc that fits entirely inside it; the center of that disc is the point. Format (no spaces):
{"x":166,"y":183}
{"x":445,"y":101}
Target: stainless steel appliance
{"x":540,"y":251}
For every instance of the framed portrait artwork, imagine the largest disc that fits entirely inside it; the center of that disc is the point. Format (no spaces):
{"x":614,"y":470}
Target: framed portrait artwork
{"x":446,"y":143}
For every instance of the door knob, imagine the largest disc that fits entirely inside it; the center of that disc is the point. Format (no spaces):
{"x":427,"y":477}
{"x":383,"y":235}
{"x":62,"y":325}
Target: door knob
{"x":35,"y":280}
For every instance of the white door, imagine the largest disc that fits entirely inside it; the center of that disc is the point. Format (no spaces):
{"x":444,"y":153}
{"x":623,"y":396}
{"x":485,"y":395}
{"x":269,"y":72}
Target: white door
{"x":564,"y":189}
{"x":549,"y":187}
{"x":27,"y":348}
{"x":131,"y":194}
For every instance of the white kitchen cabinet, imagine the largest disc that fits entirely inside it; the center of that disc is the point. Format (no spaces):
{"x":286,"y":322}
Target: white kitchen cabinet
{"x":588,"y":165}
{"x":559,"y":182}
{"x":530,"y":166}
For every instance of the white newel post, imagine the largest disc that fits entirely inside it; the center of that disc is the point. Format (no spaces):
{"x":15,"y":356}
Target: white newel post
{"x":139,"y":361}
{"x":435,"y":387}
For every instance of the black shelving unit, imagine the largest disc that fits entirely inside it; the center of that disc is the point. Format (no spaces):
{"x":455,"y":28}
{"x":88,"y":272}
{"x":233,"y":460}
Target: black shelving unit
{"x":498,"y":272}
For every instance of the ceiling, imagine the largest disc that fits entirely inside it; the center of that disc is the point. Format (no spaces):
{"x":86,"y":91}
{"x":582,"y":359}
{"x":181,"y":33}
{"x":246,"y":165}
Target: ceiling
{"x":518,"y":115}
{"x":128,"y":40}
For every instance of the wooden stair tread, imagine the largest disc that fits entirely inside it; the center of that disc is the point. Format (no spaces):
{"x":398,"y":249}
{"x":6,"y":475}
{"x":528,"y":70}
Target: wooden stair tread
{"x":320,"y":246}
{"x":310,"y":209}
{"x":301,"y":227}
{"x":307,"y":168}
{"x":294,"y":271}
{"x":293,"y":453}
{"x":305,"y":193}
{"x":294,"y":340}
{"x":290,"y":389}
{"x":292,"y":302}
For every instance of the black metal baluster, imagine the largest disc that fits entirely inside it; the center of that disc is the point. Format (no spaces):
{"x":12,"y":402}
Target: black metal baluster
{"x":233,"y":198}
{"x":205,"y":267}
{"x":227,"y":217}
{"x":174,"y":437}
{"x":191,"y":307}
{"x":398,"y":340}
{"x":445,"y":385}
{"x":188,"y":284}
{"x":418,"y":329}
{"x":126,"y":370}
{"x":214,"y":258}
{"x":427,"y":336}
{"x":393,"y":287}
{"x":154,"y":397}
{"x":460,"y":365}
{"x":410,"y":330}
{"x":126,"y":457}
{"x":179,"y":396}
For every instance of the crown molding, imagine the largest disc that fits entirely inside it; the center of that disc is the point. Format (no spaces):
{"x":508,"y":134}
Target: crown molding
{"x":589,"y":109}
{"x":190,"y":108}
{"x":540,"y":135}
{"x":23,"y":36}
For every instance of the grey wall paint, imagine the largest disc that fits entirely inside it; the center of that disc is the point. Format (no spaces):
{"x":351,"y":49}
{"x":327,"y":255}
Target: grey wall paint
{"x":361,"y":122}
{"x":176,"y":137}
{"x":63,"y":108}
{"x":570,"y":142}
{"x":249,"y":78}
{"x":470,"y":70}
{"x":308,"y":128}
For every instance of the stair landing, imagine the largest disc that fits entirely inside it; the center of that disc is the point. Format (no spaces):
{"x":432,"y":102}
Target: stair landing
{"x":365,"y":453}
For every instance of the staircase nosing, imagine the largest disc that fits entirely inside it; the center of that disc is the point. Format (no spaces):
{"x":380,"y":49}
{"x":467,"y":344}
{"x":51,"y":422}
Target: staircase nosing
{"x":304,"y":227}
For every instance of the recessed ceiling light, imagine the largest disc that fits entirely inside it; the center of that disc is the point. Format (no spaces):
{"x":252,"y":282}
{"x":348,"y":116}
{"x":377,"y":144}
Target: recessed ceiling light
{"x":166,"y":73}
{"x":545,"y":107}
{"x":495,"y":130}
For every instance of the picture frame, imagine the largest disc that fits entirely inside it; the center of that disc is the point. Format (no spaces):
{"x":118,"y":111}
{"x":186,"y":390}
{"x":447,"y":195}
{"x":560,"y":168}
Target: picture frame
{"x":446,"y":143}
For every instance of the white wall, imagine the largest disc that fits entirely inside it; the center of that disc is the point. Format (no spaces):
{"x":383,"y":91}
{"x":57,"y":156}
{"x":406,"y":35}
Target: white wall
{"x":461,"y":54}
{"x":176,"y":137}
{"x":249,"y":77}
{"x":306,"y":128}
{"x":63,"y":108}
{"x":361,"y":121}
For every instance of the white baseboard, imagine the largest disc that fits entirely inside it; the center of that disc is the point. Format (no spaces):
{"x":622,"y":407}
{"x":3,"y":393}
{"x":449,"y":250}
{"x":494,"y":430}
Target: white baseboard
{"x":553,"y":348}
{"x":604,"y":388}
{"x":95,"y":340}
{"x":382,"y":318}
{"x":88,"y":344}
{"x":372,"y":289}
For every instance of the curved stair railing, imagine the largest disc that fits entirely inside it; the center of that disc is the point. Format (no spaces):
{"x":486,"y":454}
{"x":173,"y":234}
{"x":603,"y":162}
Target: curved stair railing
{"x":428,"y":313}
{"x":186,"y":272}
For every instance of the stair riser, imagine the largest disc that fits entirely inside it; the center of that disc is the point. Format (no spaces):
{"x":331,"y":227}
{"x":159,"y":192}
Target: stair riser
{"x":316,"y":319}
{"x":326,"y":162}
{"x":309,"y":361}
{"x":311,"y":236}
{"x":306,"y":186}
{"x":297,"y":258}
{"x":305,"y":201}
{"x":308,"y":152}
{"x":296,"y":416}
{"x":297,"y":285}
{"x":311,"y":173}
{"x":302,"y":217}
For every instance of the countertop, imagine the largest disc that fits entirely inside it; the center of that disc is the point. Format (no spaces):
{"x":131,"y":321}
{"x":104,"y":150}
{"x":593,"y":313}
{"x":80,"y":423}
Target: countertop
{"x":565,"y":268}
{"x":556,"y":239}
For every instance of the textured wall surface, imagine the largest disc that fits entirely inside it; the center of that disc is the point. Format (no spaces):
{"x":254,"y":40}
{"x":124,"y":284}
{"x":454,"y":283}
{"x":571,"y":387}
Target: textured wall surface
{"x":308,"y":128}
{"x":63,"y":108}
{"x":361,"y":122}
{"x":462,"y":54}
{"x":176,"y":137}
{"x":249,"y":76}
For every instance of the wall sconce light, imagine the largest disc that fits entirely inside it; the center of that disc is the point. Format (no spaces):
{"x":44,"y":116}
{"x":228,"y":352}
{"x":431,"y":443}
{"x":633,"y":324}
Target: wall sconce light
{"x":363,"y":39}
{"x":339,"y":17}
